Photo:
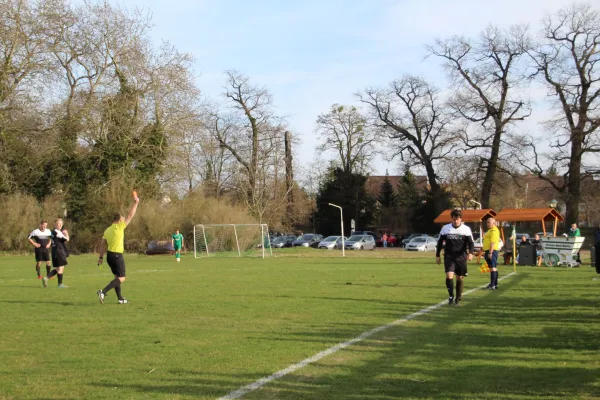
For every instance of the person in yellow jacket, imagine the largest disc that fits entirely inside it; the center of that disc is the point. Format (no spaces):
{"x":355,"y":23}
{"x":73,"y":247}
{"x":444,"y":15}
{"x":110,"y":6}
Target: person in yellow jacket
{"x":491,"y":247}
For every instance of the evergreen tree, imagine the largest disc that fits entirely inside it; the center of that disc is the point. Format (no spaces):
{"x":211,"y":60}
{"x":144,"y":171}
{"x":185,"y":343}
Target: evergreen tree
{"x":348,"y":191}
{"x":387,"y":197}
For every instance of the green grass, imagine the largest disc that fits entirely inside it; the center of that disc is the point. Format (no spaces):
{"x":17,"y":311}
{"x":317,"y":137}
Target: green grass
{"x":202,"y":328}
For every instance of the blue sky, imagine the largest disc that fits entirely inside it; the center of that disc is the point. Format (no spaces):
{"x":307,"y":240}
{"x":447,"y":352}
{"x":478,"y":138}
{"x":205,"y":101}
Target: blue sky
{"x":311,"y":54}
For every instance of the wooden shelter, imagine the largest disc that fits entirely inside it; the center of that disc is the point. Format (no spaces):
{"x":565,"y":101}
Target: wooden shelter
{"x":467,"y":216}
{"x":531,"y":214}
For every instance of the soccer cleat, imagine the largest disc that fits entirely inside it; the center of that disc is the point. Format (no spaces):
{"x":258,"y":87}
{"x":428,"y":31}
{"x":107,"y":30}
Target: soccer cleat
{"x":124,"y":301}
{"x":100,"y":296}
{"x":61,"y":286}
{"x":39,"y":277}
{"x":457,"y":301}
{"x":45,"y":281}
{"x":490,"y":287}
{"x":450,"y":300}
{"x":496,"y":287}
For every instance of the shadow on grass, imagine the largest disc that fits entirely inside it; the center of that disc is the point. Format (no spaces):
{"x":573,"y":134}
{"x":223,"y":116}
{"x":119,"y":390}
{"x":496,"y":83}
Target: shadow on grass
{"x":60,"y":303}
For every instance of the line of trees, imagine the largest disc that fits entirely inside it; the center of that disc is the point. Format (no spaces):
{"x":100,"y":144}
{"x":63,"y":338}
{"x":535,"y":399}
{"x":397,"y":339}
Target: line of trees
{"x":89,"y":109}
{"x":475,"y":122}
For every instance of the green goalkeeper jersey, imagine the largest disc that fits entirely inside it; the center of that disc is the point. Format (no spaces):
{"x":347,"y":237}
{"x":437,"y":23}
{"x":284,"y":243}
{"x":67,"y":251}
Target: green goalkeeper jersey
{"x":177,"y":240}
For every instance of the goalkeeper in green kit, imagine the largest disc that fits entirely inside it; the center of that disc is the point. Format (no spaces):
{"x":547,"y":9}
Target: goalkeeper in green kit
{"x":178,"y":243}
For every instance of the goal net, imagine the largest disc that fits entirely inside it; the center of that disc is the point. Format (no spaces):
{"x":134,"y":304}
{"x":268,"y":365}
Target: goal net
{"x":232,"y":240}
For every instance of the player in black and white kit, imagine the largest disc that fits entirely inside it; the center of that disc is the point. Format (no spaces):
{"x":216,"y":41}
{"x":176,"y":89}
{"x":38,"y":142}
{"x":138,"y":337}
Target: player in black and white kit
{"x":60,"y":237}
{"x":41,"y":240}
{"x":457,"y":240}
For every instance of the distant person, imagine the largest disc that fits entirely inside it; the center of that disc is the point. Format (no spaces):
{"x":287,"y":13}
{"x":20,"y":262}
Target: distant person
{"x":177,"y":242}
{"x":508,"y":251}
{"x":524,"y":242}
{"x":574,"y":232}
{"x":40,"y":238}
{"x":491,"y":247}
{"x":113,"y":241}
{"x":537,"y":243}
{"x":60,"y":253}
{"x":384,"y":239}
{"x":457,"y":240}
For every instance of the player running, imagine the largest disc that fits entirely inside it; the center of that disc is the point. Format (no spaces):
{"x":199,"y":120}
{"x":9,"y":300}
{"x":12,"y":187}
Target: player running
{"x":60,"y":253}
{"x":457,"y":240}
{"x":40,"y":239}
{"x":178,"y":243}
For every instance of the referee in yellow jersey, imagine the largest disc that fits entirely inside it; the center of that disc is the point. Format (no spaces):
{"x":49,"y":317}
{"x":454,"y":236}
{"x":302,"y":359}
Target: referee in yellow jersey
{"x":491,"y":247}
{"x":112,"y":241}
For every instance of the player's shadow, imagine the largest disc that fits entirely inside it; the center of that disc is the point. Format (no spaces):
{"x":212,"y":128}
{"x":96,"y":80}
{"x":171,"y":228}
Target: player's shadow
{"x":59,"y":303}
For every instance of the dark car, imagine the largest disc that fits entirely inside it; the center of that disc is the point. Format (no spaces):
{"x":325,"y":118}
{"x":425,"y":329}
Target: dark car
{"x":283,"y":241}
{"x":308,"y":240}
{"x":392,"y":240}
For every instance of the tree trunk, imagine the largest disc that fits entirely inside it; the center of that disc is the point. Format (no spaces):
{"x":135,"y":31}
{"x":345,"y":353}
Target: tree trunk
{"x":574,"y":183}
{"x":289,"y":178}
{"x":490,"y":172}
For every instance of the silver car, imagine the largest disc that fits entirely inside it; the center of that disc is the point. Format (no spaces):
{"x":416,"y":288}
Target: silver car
{"x":360,"y":242}
{"x":422,"y":243}
{"x":331,"y":242}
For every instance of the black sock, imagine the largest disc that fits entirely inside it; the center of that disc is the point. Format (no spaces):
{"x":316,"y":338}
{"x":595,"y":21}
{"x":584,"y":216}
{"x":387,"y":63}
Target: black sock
{"x":113,"y":284}
{"x":118,"y":290}
{"x":450,"y":286}
{"x":37,"y":270}
{"x":459,"y":288}
{"x":60,"y":278}
{"x":495,"y":278}
{"x":52,"y":273}
{"x":48,"y":268}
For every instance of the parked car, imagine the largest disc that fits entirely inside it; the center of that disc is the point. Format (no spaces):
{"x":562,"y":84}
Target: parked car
{"x":371,"y":233}
{"x":392,"y":240}
{"x":478,"y":244}
{"x":308,"y":240}
{"x":360,"y":242}
{"x":283,"y":241}
{"x":331,"y":242}
{"x":422,"y":243}
{"x":412,"y":236}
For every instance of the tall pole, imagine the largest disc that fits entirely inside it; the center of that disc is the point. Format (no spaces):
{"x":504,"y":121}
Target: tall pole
{"x":342,"y":223}
{"x":480,"y":223}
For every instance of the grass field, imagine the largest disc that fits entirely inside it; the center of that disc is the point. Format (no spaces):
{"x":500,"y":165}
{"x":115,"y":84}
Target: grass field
{"x":200,"y":329}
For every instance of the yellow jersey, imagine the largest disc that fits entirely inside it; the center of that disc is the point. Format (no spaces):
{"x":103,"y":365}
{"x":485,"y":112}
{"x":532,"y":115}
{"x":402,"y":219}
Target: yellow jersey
{"x":115,"y":236}
{"x":491,"y":236}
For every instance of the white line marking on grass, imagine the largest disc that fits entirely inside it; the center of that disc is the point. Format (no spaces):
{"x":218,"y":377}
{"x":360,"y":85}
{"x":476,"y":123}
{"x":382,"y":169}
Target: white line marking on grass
{"x":292,"y":368}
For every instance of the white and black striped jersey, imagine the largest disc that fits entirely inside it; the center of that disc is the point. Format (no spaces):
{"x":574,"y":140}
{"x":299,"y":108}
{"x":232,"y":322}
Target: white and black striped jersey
{"x":457,"y":241}
{"x":41,"y":237}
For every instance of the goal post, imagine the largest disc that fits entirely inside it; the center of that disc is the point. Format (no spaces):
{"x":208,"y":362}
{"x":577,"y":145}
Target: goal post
{"x":232,"y":240}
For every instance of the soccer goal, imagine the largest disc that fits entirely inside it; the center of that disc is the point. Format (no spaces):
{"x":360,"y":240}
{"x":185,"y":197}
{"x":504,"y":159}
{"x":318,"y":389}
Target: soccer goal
{"x":232,"y":240}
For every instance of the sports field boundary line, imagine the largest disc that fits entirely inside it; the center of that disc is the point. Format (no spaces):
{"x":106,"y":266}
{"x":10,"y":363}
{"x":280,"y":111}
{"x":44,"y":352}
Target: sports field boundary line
{"x":236,"y":394}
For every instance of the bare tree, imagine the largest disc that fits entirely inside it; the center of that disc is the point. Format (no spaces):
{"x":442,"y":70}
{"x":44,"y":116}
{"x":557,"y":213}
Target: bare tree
{"x":345,"y":131}
{"x":254,"y":136}
{"x":409,"y":113}
{"x":567,"y":61}
{"x":487,"y":75}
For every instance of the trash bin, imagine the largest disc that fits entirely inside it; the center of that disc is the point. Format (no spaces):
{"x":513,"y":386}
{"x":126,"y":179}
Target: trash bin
{"x":527,"y":255}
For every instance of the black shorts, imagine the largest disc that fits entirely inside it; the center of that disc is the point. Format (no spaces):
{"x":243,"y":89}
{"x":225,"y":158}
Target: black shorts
{"x":58,"y":259}
{"x":42,"y":254}
{"x":458,"y":265}
{"x":116,"y":262}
